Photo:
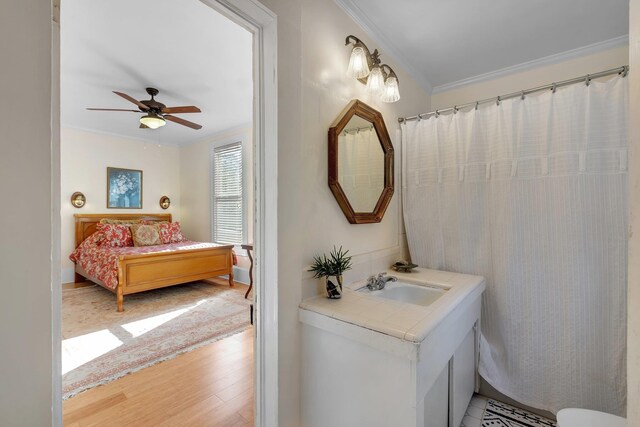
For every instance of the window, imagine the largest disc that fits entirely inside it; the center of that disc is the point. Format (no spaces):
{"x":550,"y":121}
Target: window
{"x":227,"y":194}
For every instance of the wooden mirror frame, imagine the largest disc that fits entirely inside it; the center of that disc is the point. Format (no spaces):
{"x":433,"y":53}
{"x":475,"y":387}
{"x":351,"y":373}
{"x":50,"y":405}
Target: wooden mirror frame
{"x":359,"y":108}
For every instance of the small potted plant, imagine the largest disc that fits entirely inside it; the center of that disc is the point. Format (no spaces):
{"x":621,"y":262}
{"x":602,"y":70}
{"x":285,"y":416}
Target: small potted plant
{"x":332,"y":267}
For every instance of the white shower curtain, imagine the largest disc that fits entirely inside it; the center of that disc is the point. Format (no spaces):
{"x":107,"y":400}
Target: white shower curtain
{"x":531,"y":194}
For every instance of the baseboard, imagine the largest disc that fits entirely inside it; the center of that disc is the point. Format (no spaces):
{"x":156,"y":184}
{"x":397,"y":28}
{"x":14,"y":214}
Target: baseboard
{"x":240,"y":275}
{"x":72,"y":285}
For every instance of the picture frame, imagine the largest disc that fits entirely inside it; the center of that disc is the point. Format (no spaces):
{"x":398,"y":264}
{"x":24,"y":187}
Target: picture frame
{"x":124,"y":188}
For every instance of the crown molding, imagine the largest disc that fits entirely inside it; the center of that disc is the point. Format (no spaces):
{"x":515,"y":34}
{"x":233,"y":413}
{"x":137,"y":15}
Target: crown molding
{"x":231,"y":132}
{"x":120,"y":136}
{"x":525,"y":66}
{"x":384,"y":43}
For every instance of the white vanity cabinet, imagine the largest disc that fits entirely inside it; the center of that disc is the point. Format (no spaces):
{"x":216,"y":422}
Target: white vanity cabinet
{"x":447,"y":400}
{"x":370,"y":363}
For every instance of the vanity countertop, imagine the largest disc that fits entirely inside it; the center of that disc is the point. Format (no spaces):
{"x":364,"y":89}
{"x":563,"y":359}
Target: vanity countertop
{"x":401,"y":320}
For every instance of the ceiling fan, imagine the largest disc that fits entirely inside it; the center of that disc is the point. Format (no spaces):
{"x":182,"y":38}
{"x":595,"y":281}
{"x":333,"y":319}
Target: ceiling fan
{"x":155,"y":113}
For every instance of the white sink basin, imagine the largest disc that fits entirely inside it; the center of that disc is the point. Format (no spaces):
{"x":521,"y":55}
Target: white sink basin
{"x":406,"y":292}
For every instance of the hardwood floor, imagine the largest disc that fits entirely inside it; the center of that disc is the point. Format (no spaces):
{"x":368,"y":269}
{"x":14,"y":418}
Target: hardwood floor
{"x":210,"y":386}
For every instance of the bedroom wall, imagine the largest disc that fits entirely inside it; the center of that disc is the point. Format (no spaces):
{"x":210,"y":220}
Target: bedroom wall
{"x":195,"y":188}
{"x":85,"y":157}
{"x":538,"y":76}
{"x":313,"y":89}
{"x":27,"y":359}
{"x":195,"y":183}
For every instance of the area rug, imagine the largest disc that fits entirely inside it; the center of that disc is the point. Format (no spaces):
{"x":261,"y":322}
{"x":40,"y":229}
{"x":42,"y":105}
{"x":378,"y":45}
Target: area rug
{"x":100,"y":345}
{"x":498,"y":414}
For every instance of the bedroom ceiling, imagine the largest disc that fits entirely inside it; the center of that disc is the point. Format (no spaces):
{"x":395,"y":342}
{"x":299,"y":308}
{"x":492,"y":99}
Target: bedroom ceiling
{"x":191,"y":53}
{"x":440,"y":42}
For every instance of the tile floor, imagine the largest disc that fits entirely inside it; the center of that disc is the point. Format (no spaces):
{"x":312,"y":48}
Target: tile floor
{"x":484,"y":412}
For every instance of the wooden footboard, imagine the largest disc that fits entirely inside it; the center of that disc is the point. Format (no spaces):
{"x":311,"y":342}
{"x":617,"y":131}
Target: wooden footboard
{"x":138,"y":273}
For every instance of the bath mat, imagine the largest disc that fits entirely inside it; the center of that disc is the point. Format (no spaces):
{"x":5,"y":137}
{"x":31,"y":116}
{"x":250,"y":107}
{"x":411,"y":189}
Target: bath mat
{"x":498,"y":414}
{"x":100,"y":345}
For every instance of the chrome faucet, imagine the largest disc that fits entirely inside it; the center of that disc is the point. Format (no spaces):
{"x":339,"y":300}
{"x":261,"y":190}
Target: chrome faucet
{"x":379,"y":281}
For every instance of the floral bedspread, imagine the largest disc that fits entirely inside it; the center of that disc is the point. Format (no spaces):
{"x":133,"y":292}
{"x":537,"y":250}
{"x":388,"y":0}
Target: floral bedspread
{"x":101,"y":262}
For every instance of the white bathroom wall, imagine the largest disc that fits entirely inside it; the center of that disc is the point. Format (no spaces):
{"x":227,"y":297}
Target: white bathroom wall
{"x":538,"y":76}
{"x":27,"y":359}
{"x":313,"y":89}
{"x":633,"y":283}
{"x":85,"y":157}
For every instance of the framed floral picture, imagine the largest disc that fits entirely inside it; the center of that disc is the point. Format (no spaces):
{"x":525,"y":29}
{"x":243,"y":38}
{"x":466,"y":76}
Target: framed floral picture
{"x":124,"y":188}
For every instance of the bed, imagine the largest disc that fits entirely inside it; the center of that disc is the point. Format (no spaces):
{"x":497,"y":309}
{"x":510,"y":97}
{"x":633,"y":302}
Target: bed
{"x":138,"y":269}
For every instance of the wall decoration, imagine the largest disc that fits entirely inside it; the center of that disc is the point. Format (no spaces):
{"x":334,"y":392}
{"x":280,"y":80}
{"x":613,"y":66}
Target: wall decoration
{"x":124,"y":188}
{"x":165,"y":202}
{"x":359,"y":146}
{"x":78,"y":199}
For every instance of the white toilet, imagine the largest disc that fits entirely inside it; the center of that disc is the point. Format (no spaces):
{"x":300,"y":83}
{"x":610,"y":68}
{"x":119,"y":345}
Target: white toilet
{"x":574,"y":417}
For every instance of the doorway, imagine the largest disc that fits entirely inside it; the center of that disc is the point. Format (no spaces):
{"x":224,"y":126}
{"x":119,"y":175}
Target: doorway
{"x":262,"y":25}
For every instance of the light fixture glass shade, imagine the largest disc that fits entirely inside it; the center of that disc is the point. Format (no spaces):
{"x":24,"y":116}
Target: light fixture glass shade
{"x":391,"y":92}
{"x":358,"y":64}
{"x":152,"y":121}
{"x":375,"y":81}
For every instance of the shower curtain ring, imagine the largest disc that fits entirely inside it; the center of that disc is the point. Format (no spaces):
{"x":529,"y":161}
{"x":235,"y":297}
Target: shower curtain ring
{"x":498,"y":100}
{"x":587,"y":80}
{"x":522,"y":95}
{"x":437,"y":114}
{"x":625,"y":71}
{"x":455,"y":109}
{"x":553,"y":87}
{"x":477,"y":103}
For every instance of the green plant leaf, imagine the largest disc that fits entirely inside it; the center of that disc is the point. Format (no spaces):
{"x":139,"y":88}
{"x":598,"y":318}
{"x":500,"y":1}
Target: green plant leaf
{"x":337,"y":263}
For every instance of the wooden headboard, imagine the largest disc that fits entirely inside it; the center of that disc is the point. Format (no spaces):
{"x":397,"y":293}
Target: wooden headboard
{"x":86,"y":223}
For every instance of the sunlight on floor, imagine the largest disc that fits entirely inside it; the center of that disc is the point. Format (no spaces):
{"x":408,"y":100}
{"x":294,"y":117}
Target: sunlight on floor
{"x":79,"y":350}
{"x":143,"y":326}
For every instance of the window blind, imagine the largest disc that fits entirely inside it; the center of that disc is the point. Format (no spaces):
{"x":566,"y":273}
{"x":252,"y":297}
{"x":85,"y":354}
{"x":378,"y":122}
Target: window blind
{"x":227,"y":194}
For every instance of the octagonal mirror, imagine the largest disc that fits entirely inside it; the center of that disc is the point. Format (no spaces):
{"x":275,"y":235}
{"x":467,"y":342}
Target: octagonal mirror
{"x":361,"y":163}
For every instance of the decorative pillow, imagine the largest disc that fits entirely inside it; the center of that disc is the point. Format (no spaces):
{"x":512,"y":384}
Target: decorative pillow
{"x":146,"y":234}
{"x":115,"y":235}
{"x":170,"y":232}
{"x":120,"y":221}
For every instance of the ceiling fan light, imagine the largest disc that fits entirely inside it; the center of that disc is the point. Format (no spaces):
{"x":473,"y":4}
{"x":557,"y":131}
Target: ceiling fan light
{"x":152,"y":121}
{"x":391,"y":92}
{"x":358,"y":63}
{"x":375,"y":81}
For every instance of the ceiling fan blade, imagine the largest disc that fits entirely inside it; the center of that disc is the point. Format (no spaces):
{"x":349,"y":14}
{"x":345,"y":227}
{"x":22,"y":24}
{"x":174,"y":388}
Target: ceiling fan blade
{"x":130,"y":99}
{"x":112,"y":109}
{"x":184,"y":109}
{"x":183,"y":122}
{"x":143,"y":126}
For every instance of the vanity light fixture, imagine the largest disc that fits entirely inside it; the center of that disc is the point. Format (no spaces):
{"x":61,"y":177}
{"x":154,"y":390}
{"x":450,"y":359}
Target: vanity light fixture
{"x":165,"y":202}
{"x":78,"y":199}
{"x":152,"y":121}
{"x":365,"y":66}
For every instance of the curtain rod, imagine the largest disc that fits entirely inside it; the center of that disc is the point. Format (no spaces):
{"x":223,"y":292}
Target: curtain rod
{"x":553,"y":86}
{"x":358,"y":129}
